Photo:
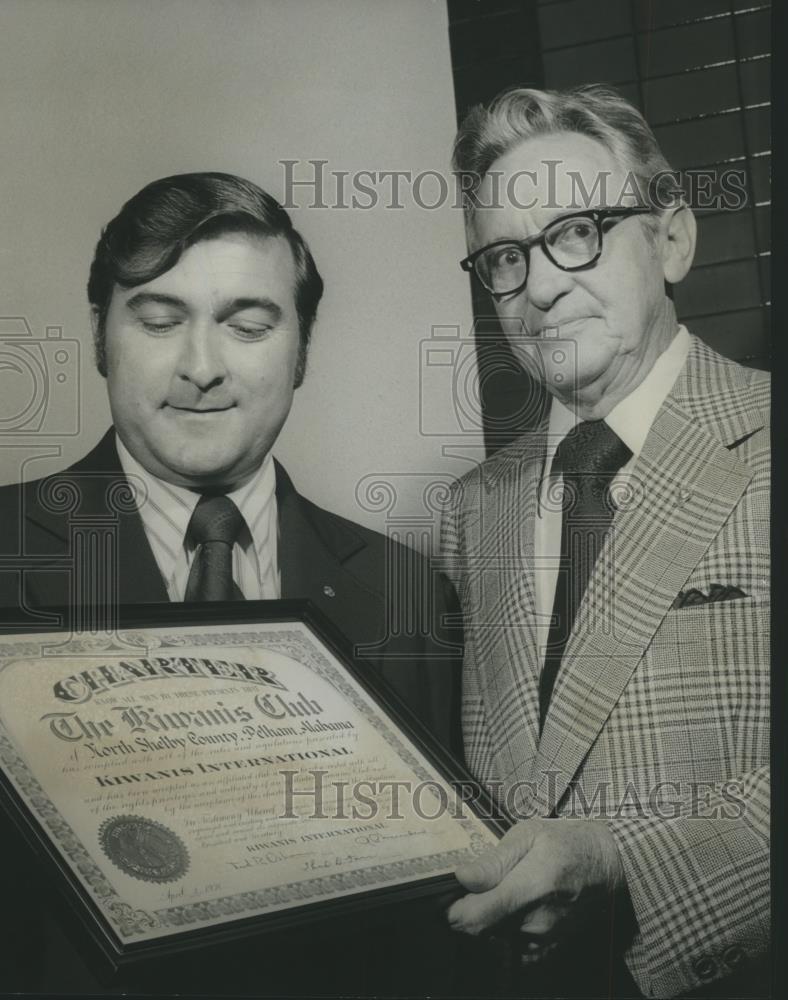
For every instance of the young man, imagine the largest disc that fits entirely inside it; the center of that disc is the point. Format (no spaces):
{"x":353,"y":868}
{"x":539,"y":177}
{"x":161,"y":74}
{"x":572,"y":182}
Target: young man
{"x":203,"y":299}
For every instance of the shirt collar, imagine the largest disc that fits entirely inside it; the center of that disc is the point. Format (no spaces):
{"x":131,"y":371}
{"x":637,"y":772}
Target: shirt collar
{"x":166,"y":509}
{"x":631,"y":419}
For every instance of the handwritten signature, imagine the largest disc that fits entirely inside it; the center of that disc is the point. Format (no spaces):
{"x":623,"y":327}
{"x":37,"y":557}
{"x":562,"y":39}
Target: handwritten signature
{"x":370,"y":839}
{"x":340,"y":861}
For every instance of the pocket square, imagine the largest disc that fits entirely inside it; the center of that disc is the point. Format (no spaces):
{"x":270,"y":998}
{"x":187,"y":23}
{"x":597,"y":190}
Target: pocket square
{"x":717,"y":592}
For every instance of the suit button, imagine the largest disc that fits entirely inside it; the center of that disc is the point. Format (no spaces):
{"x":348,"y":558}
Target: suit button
{"x":705,"y":968}
{"x":733,"y":956}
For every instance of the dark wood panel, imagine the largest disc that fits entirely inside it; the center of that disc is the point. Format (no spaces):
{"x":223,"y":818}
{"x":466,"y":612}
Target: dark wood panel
{"x":463,"y":10}
{"x":578,"y":21}
{"x":486,"y":39}
{"x":753,"y":33}
{"x":686,"y":47}
{"x":728,"y":236}
{"x":756,"y":83}
{"x":763,"y":226}
{"x":686,"y":95}
{"x":765,"y":270}
{"x":718,"y":288}
{"x":743,"y":336}
{"x":610,"y":61}
{"x":649,"y":15}
{"x":757,"y":122}
{"x":759,"y":169}
{"x":708,"y":140}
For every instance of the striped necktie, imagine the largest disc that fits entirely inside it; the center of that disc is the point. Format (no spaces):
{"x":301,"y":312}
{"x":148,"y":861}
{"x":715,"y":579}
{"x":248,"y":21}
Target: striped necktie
{"x":214,"y":527}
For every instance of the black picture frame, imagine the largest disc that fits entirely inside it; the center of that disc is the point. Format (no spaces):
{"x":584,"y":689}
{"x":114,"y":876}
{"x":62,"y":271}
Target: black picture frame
{"x":96,"y":939}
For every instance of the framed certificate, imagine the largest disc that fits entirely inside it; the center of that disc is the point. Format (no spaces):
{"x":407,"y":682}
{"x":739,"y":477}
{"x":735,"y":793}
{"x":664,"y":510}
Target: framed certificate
{"x":195,"y":775}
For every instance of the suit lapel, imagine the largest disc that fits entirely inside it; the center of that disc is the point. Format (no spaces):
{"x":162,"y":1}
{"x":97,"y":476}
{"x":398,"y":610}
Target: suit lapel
{"x":684,"y":486}
{"x":311,"y":556}
{"x":507,"y":657}
{"x":96,"y":538}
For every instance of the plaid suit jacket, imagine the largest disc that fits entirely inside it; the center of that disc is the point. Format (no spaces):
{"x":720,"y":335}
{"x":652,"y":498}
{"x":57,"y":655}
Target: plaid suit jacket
{"x":659,"y":719}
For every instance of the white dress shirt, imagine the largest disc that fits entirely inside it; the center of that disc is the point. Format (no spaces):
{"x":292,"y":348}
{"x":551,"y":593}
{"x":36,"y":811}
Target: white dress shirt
{"x":166,"y":510}
{"x":631,"y":419}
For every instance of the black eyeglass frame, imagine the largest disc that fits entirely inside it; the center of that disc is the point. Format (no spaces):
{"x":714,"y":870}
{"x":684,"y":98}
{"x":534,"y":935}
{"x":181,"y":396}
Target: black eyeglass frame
{"x":597,"y":215}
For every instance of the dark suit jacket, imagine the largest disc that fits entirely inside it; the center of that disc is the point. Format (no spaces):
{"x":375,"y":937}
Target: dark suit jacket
{"x":340,"y":566}
{"x":346,"y":570}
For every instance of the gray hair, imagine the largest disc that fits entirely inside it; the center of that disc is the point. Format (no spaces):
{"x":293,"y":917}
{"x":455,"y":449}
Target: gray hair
{"x":598,"y":112}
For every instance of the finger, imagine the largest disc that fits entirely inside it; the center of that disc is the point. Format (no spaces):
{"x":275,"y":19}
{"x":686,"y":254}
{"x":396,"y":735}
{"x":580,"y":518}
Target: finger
{"x":543,"y":920}
{"x":480,"y":911}
{"x":486,"y":870}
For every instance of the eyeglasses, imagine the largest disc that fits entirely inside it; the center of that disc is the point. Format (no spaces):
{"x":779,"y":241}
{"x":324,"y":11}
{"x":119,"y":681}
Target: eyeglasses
{"x":572,"y":243}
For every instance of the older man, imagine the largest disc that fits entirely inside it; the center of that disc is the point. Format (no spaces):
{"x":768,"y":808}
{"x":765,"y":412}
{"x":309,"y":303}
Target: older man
{"x":613,"y":570}
{"x":203,"y":298}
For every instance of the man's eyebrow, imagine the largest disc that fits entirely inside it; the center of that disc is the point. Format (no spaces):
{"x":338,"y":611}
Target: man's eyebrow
{"x":155,"y":298}
{"x":231,"y":306}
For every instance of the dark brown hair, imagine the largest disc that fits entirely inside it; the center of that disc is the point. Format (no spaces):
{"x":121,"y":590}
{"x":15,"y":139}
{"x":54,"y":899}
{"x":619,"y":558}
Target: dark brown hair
{"x":154,"y":228}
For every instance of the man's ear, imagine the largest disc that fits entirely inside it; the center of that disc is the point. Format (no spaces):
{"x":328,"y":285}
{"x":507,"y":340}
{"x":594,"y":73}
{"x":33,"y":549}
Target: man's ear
{"x":99,"y":346}
{"x":94,"y":321}
{"x":680,"y":233}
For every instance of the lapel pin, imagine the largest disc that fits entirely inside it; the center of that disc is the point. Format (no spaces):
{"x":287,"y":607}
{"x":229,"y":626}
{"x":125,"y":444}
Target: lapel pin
{"x":329,"y":591}
{"x":684,"y":495}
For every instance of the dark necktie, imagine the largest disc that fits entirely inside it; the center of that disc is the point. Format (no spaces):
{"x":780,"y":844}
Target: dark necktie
{"x":588,"y":457}
{"x":214,"y":527}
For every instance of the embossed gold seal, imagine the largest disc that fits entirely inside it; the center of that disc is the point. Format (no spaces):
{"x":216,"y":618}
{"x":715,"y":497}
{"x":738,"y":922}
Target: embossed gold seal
{"x":144,"y":848}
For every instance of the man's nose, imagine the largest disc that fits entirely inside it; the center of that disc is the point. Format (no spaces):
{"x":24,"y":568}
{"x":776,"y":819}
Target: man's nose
{"x":200,"y":360}
{"x":546,"y":281}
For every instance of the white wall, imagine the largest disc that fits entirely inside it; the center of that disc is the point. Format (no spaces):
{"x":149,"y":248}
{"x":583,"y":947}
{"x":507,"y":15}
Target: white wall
{"x":99,"y":97}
